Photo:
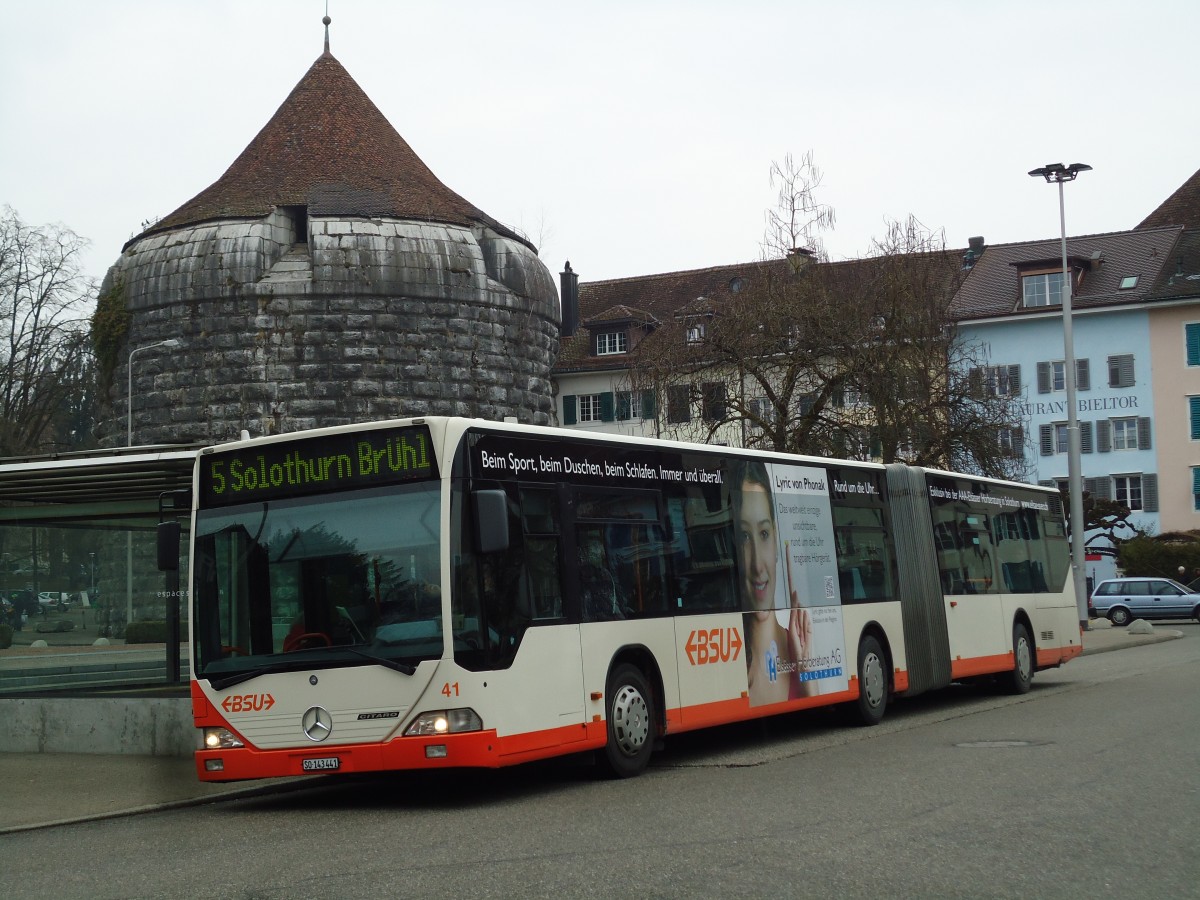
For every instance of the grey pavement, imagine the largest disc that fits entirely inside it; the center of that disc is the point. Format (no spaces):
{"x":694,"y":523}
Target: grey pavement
{"x":45,"y":789}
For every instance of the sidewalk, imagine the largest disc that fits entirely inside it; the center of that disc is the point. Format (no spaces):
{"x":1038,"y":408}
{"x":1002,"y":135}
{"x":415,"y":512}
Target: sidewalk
{"x":45,"y":789}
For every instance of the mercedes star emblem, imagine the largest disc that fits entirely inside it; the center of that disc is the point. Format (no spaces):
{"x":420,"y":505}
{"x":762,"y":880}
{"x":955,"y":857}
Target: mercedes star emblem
{"x":317,"y":724}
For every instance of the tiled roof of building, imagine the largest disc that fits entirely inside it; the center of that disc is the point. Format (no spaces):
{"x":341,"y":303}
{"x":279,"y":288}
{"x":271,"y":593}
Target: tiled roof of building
{"x":621,"y":313}
{"x":993,"y":287}
{"x":1180,"y":276}
{"x":662,"y":297}
{"x":657,"y":297}
{"x":1181,"y":208}
{"x":329,"y":148}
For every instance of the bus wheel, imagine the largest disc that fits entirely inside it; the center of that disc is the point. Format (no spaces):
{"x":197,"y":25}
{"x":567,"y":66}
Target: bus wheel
{"x":872,"y":681}
{"x":1020,"y":678}
{"x":630,"y":722}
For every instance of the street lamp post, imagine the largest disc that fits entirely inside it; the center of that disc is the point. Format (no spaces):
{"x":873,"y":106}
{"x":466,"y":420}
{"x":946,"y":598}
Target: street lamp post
{"x":170,"y":343}
{"x":1059,"y":174}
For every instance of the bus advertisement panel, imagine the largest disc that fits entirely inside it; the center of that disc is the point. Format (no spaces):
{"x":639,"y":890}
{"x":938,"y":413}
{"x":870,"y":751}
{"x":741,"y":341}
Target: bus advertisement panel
{"x":795,"y":645}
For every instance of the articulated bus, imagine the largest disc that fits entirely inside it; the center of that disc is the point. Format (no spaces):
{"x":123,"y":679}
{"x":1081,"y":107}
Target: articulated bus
{"x":445,"y":592}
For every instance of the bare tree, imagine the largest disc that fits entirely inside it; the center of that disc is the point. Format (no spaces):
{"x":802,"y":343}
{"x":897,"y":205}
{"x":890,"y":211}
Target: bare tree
{"x":44,"y":350}
{"x":857,"y":358}
{"x":933,"y":398}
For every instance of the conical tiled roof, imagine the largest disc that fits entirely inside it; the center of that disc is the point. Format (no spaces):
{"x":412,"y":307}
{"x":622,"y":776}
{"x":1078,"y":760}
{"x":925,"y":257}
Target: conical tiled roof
{"x":328,"y":147}
{"x":1181,"y":208}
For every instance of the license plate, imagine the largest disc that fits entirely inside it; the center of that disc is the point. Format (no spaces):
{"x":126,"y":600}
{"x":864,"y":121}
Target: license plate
{"x":322,"y":764}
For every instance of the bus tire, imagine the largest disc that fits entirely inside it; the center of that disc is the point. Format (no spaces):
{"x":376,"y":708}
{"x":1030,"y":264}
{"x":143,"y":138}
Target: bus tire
{"x":630,"y":722}
{"x":1020,"y":679}
{"x":872,"y":681}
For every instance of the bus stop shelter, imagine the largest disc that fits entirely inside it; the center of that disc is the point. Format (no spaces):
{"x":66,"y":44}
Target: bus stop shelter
{"x":78,"y":569}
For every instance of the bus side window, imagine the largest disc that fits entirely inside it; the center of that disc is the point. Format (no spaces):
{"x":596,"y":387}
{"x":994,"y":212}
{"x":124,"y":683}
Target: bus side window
{"x":542,"y":579}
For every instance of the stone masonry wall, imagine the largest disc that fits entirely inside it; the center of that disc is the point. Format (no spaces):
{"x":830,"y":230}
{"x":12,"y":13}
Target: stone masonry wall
{"x":367,"y":320}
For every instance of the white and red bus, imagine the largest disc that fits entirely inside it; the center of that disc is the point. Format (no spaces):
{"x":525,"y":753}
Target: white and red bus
{"x":444,"y":592}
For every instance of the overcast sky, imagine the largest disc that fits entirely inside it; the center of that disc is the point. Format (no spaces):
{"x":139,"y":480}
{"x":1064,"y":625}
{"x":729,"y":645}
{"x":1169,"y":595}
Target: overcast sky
{"x":628,"y":137}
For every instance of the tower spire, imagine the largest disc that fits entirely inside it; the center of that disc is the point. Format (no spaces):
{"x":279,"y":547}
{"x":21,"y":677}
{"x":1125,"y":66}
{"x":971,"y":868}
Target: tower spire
{"x":326,"y":20}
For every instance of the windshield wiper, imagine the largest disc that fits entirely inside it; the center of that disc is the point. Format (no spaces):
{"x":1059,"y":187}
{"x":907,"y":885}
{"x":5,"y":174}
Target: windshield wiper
{"x":403,"y":668}
{"x":219,"y":683}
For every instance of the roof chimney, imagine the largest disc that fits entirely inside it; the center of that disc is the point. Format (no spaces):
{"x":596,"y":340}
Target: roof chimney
{"x":569,"y":296}
{"x":975,"y":248}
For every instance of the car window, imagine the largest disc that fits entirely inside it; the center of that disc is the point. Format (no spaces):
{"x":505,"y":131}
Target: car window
{"x":1138,"y":588}
{"x":1108,"y":589}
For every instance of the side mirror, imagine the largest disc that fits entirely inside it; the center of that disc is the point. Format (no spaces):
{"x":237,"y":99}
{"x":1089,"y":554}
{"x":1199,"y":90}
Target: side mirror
{"x":490,"y":509}
{"x":168,"y":546}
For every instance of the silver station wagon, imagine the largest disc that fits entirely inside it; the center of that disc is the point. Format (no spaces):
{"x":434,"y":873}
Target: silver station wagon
{"x":1122,"y":600}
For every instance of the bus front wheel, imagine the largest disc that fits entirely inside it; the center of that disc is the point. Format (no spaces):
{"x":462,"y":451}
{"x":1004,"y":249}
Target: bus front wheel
{"x":630,"y":722}
{"x":872,"y":681}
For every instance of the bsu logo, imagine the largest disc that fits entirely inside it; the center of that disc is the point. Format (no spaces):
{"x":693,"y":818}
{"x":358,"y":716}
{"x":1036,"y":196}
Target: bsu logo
{"x":715,"y":645}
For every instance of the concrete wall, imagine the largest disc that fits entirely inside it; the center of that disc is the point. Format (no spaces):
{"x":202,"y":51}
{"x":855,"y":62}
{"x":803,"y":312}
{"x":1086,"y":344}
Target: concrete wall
{"x":143,"y":726}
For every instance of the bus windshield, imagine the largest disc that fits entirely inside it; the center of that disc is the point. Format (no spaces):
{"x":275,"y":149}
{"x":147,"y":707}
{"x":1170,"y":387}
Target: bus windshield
{"x":329,"y":580}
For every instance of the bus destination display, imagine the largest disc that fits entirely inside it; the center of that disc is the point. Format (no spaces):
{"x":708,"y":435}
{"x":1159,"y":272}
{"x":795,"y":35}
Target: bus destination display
{"x":317,"y":465}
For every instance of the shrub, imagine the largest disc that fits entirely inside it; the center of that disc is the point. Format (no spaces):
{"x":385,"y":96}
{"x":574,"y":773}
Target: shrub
{"x":6,"y":634}
{"x":146,"y":633}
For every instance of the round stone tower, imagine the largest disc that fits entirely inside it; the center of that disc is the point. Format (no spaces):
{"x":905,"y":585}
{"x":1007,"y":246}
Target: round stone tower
{"x":328,"y":277}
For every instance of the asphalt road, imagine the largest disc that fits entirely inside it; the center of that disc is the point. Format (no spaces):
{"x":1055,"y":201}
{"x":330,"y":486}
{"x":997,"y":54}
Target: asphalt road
{"x":1088,"y":786}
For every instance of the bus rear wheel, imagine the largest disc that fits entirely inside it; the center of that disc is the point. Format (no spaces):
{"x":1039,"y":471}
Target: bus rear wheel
{"x":630,"y":722}
{"x":872,"y":681}
{"x":1020,"y":679}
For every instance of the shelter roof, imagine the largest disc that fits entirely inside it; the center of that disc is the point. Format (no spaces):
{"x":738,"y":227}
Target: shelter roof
{"x":93,"y":484}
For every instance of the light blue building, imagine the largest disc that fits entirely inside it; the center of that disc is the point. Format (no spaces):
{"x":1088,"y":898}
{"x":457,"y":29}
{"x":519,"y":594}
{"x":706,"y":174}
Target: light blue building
{"x":1011,"y":305}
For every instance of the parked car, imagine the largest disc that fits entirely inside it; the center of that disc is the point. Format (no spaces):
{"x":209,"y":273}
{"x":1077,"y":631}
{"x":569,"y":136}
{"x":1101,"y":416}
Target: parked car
{"x":54,"y":601}
{"x":1122,"y":600}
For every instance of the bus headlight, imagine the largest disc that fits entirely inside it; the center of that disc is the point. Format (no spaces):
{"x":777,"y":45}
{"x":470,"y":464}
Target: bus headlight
{"x":221,"y":739}
{"x":445,"y":721}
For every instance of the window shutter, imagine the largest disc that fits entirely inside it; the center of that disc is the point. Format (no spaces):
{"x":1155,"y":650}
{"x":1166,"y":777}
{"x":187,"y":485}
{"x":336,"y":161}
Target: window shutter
{"x":1120,"y":370}
{"x":1089,"y":486}
{"x":1014,"y":380}
{"x":606,"y":406}
{"x":1196,"y":487}
{"x":838,"y":396}
{"x":1043,"y":377}
{"x":1150,"y":493}
{"x":1018,"y":440}
{"x":1046,"y":439}
{"x":1102,"y":489}
{"x":1104,"y":435}
{"x":570,"y":410}
{"x":1085,"y":437}
{"x":975,"y":381}
{"x":648,"y":410}
{"x":1144,"y":433}
{"x":1191,"y":333}
{"x":1083,"y":375}
{"x":1194,"y":417}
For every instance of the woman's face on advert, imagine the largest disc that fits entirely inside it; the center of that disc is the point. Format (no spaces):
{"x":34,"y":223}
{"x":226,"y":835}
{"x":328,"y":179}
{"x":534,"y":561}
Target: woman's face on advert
{"x":756,"y":535}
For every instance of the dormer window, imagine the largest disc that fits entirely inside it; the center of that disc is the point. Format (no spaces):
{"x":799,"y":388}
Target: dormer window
{"x":1042,"y":290}
{"x":611,"y":342}
{"x":695,"y":332}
